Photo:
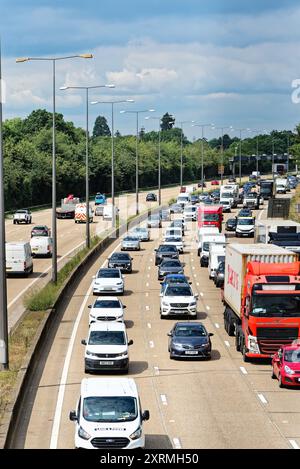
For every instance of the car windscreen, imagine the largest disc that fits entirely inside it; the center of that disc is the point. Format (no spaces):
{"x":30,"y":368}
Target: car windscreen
{"x":190,"y":331}
{"x":109,"y":409}
{"x":292,"y":356}
{"x":130,"y":238}
{"x":173,"y":290}
{"x":221,"y":267}
{"x":108,"y":273}
{"x":107,"y":338}
{"x":167,"y":249}
{"x":21,"y":211}
{"x":220,"y":259}
{"x":231,"y":221}
{"x":120,"y":257}
{"x":165,"y":264}
{"x":173,"y":239}
{"x":245,"y":221}
{"x":107,"y":304}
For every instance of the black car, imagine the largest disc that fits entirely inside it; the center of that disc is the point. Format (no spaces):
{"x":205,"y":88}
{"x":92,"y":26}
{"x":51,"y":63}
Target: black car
{"x":220,"y":273}
{"x":201,"y":185}
{"x":189,"y":340}
{"x":194,"y":199}
{"x":165,"y":251}
{"x":151,"y":197}
{"x":230,"y":224}
{"x":245,"y":212}
{"x":169,"y":266}
{"x":120,"y":260}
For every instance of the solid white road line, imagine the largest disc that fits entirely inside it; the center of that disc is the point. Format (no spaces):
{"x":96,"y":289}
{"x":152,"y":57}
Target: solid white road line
{"x":262,"y":398}
{"x":176,"y":443}
{"x":163,"y":398}
{"x":227,"y":343}
{"x":294,"y":444}
{"x":243,"y":370}
{"x":64,"y":376}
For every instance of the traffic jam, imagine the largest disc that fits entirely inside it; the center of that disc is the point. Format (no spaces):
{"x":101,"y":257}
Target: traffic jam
{"x":258,"y":279}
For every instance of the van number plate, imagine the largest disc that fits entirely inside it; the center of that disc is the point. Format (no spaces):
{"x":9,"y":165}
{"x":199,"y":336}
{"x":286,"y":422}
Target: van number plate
{"x":106,"y":363}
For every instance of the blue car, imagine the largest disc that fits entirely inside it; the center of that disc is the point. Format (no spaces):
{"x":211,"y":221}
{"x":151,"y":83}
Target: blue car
{"x":174,"y":278}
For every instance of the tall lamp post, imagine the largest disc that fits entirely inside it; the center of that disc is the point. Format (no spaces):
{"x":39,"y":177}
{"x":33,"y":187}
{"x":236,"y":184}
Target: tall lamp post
{"x":181,"y":149}
{"x":87,"y":191}
{"x":257,"y":137}
{"x":202,"y":150}
{"x":137,"y":154}
{"x":4,"y":359}
{"x":112,"y":103}
{"x":240,"y":155}
{"x":222,"y":147}
{"x":54,"y":230}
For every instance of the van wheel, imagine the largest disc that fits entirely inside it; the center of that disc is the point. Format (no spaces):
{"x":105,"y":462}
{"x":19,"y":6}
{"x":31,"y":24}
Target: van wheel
{"x":14,"y":222}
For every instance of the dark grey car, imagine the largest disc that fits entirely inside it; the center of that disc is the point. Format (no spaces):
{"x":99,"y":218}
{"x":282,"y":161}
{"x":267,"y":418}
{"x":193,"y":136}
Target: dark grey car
{"x":176,"y":208}
{"x":220,"y":274}
{"x":169,"y":266}
{"x":154,"y":221}
{"x":165,"y":251}
{"x":120,"y":260}
{"x":189,"y":340}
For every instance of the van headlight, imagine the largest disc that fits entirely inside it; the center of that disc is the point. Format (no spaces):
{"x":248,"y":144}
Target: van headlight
{"x":137,"y":434}
{"x":91,"y":354}
{"x":83,"y":434}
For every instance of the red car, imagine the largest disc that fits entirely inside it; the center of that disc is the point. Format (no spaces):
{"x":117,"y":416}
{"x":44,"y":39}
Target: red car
{"x":214,"y":182}
{"x":183,"y":189}
{"x":286,"y":365}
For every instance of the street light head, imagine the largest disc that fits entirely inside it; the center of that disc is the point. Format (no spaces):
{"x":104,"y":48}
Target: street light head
{"x":22,"y":59}
{"x":129,"y":100}
{"x":110,"y":85}
{"x":94,"y":102}
{"x":86,"y":56}
{"x":63,"y":87}
{"x":151,"y":110}
{"x":122,"y":112}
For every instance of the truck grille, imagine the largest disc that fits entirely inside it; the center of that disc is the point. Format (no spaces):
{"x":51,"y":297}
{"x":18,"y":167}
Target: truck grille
{"x":110,"y":442}
{"x":271,"y":339}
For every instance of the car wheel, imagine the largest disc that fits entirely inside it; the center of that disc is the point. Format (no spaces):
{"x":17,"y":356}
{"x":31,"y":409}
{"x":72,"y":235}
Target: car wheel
{"x":15,"y":222}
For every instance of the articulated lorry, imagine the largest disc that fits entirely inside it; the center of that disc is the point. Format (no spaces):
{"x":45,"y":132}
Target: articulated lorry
{"x":261,"y":297}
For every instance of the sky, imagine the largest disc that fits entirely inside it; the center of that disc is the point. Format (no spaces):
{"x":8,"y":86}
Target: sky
{"x":227,"y":62}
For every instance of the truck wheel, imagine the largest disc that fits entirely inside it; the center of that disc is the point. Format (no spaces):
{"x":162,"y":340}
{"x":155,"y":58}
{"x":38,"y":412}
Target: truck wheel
{"x":245,"y":358}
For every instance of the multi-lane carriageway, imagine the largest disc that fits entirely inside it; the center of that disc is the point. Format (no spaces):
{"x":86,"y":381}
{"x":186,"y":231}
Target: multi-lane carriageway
{"x":222,"y":403}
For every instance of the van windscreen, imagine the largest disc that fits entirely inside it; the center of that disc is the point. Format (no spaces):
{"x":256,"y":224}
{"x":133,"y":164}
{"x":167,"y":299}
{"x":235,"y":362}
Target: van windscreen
{"x":109,"y":409}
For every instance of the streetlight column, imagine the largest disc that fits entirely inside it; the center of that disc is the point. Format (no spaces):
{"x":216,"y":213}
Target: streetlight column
{"x":222,"y":148}
{"x":54,"y":224}
{"x":137,"y":155}
{"x":202,"y":150}
{"x":181,"y":150}
{"x":112,"y":103}
{"x":4,"y":358}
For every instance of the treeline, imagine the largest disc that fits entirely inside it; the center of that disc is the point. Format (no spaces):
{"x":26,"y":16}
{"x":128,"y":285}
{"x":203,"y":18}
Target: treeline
{"x":28,"y":159}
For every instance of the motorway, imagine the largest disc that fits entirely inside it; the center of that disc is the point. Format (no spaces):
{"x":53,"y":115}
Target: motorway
{"x":70,"y":238}
{"x":221,"y":403}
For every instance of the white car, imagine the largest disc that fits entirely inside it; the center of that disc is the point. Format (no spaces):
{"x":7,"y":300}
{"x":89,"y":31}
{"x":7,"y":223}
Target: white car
{"x":174,"y":241}
{"x":245,"y":226}
{"x":142,"y":233}
{"x":106,"y":347}
{"x":106,"y":309}
{"x":190,"y":213}
{"x":109,"y":415}
{"x":178,"y":299}
{"x":108,"y":281}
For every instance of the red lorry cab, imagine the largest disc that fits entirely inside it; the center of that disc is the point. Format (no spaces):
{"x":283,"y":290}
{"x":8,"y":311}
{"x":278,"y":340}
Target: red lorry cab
{"x":210,"y":215}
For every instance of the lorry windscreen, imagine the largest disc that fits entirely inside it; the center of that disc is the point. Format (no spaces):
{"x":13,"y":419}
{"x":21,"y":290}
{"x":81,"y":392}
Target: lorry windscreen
{"x":227,"y":195}
{"x":278,"y":305}
{"x":211,"y":217}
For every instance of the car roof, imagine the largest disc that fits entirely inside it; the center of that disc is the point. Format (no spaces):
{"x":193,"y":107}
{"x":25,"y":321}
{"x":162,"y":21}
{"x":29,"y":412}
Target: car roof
{"x":108,"y":387}
{"x":105,"y":298}
{"x":109,"y":269}
{"x":107,"y":326}
{"x":189,"y":324}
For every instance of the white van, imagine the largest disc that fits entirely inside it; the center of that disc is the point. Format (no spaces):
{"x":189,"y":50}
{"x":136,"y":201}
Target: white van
{"x":18,"y":258}
{"x":190,"y":212}
{"x":183,"y":199}
{"x":206,"y":241}
{"x":206,"y":230}
{"x":108,"y":212}
{"x":41,"y":246}
{"x":80,"y":213}
{"x":109,"y":415}
{"x":216,"y":255}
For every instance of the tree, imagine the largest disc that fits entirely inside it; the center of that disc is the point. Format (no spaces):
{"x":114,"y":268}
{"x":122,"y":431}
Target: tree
{"x":167,"y":122}
{"x":101,"y":128}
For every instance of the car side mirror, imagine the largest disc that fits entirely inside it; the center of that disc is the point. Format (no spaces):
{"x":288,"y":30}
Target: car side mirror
{"x":124,"y":306}
{"x":90,"y":306}
{"x":146,"y":415}
{"x":196,"y":296}
{"x":73,"y":416}
{"x":83,"y":341}
{"x":130,"y":342}
{"x":169,"y":334}
{"x":190,"y":283}
{"x":161,"y":295}
{"x":210,"y":334}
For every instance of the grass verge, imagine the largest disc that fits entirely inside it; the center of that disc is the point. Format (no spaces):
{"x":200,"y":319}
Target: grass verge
{"x":294,"y":214}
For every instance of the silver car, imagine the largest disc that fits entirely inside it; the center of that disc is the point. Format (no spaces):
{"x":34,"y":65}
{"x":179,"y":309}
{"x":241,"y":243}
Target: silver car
{"x":131,"y":243}
{"x":99,"y":210}
{"x":143,"y":234}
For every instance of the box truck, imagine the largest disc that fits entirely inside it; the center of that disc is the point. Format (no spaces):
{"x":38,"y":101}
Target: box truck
{"x":261,"y":297}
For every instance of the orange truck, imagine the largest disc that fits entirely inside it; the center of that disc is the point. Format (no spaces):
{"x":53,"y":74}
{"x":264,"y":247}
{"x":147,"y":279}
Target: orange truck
{"x":261,"y":297}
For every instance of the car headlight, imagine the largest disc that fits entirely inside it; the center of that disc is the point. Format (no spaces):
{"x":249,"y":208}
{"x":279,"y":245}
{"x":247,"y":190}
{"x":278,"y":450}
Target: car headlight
{"x":179,"y":346}
{"x":137,"y":434}
{"x":119,"y":283}
{"x":91,"y":354}
{"x":165,"y":304}
{"x":193,"y":303}
{"x":83,"y":434}
{"x":288,"y":370}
